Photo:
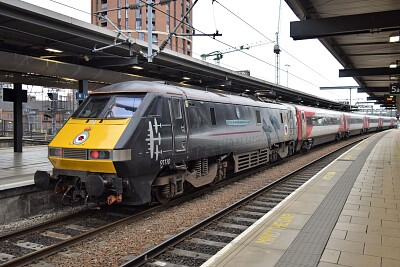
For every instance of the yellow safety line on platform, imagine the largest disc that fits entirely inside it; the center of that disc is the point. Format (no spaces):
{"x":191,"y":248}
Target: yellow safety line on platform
{"x":328,"y":175}
{"x":273,"y":231}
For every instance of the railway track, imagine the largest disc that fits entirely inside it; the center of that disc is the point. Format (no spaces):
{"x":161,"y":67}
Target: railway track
{"x":200,"y":242}
{"x":38,"y":241}
{"x":51,"y":237}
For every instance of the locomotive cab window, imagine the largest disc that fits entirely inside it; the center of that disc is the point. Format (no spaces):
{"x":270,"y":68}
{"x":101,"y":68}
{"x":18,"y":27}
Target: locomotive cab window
{"x":156,"y":108}
{"x":123,"y":106}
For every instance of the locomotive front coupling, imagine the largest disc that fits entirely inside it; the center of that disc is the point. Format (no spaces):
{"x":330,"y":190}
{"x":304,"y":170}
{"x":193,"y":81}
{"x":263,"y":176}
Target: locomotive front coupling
{"x":96,"y":186}
{"x":76,"y":188}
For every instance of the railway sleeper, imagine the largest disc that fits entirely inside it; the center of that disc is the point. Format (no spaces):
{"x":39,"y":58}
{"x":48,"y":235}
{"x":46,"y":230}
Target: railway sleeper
{"x":218,"y":233}
{"x":275,"y":195}
{"x":233,"y":226}
{"x":255,"y":208}
{"x":190,"y":254}
{"x":206,"y":242}
{"x":269,"y":204}
{"x":240,"y":219}
{"x":250,"y":213}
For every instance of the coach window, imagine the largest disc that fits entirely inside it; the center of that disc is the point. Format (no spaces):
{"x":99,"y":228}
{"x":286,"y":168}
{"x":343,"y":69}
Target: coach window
{"x":258,"y":116}
{"x":281,"y":117}
{"x":212,"y":115}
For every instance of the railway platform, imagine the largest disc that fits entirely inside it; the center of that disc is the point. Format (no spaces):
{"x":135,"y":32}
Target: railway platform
{"x":346,"y":215}
{"x":18,"y":169}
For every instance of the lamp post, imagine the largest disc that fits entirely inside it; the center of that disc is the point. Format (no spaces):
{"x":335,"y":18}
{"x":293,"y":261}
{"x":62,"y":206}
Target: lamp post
{"x":287,"y":74}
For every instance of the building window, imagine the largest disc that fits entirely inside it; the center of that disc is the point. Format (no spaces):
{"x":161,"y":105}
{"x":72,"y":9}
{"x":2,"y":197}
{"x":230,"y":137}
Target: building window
{"x":138,"y":24}
{"x":141,"y":36}
{"x":104,"y":24}
{"x":155,"y":37}
{"x":138,"y":11}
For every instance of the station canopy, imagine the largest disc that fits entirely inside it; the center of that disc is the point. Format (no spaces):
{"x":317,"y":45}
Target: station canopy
{"x":364,"y":36}
{"x":42,"y":47}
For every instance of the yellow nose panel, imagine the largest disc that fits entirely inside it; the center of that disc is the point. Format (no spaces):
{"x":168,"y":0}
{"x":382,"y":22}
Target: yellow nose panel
{"x":90,"y":134}
{"x":81,"y":135}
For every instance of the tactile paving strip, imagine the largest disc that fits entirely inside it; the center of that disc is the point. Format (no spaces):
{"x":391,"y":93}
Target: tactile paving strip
{"x":308,"y":246}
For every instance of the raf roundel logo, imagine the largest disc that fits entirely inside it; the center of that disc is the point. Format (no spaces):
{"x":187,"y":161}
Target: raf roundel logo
{"x":82,"y":137}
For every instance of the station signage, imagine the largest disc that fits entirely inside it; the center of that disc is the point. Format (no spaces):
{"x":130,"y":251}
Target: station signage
{"x":394,"y":89}
{"x":9,"y":95}
{"x":81,"y":96}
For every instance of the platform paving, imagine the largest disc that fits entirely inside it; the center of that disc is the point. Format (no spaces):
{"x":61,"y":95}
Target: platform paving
{"x":347,"y":215}
{"x":17,"y":169}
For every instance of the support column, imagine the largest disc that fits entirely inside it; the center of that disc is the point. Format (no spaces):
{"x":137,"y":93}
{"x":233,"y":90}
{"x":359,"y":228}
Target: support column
{"x":83,"y":88}
{"x":18,"y":127}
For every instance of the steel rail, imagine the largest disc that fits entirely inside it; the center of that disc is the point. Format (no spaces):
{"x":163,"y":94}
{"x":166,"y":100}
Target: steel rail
{"x":168,"y":243}
{"x":45,"y":225}
{"x":74,"y":240}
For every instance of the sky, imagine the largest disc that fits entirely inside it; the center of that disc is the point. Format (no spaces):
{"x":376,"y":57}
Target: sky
{"x":304,"y":65}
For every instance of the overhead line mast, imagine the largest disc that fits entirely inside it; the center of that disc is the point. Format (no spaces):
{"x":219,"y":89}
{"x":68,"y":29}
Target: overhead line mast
{"x":277,"y":50}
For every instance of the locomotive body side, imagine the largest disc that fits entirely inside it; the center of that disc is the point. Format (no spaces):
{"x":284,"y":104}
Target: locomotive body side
{"x":222,"y":128}
{"x":138,"y":142}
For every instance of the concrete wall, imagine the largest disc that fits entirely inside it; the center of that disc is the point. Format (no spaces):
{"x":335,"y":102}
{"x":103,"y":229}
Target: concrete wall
{"x":25,"y":201}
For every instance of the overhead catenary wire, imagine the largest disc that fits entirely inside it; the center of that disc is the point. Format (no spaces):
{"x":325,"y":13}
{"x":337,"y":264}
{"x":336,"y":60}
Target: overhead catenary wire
{"x":237,"y":16}
{"x":232,"y":47}
{"x":226,"y":44}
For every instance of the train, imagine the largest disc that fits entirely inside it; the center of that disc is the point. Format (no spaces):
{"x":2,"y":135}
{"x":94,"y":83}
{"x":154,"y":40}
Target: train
{"x":141,"y":142}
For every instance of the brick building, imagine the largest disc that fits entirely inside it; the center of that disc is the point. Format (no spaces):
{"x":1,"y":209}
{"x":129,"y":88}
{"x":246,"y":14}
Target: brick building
{"x":134,"y":22}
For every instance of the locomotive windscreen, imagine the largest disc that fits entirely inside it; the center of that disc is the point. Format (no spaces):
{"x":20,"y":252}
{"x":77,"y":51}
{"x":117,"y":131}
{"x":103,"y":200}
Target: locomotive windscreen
{"x":109,"y":106}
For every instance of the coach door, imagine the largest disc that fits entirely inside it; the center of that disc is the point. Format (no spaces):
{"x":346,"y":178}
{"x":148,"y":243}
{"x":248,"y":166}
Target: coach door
{"x":178,"y":125}
{"x":303,"y":126}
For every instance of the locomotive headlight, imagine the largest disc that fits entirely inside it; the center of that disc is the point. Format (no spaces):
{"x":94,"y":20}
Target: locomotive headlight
{"x":99,"y":154}
{"x":55,"y":152}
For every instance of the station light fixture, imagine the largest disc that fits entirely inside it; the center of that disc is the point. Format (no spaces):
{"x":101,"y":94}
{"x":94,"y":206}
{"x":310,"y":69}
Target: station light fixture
{"x":394,"y":37}
{"x":137,"y":67}
{"x":53,"y":50}
{"x":393,"y":65}
{"x":186,"y":78}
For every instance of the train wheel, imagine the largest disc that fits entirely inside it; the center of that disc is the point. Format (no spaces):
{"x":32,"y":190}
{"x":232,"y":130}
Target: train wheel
{"x":162,"y":194}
